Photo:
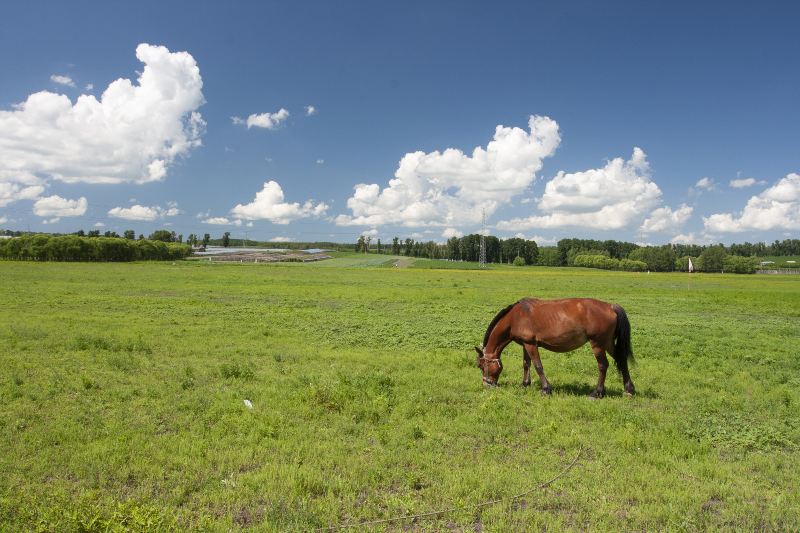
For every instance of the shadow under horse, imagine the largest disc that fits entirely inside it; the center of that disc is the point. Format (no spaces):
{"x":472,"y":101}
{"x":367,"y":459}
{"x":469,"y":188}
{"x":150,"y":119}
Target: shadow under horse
{"x":559,"y":326}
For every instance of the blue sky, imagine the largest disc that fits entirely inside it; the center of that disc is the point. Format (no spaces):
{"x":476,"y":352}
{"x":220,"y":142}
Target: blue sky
{"x":651,"y":122}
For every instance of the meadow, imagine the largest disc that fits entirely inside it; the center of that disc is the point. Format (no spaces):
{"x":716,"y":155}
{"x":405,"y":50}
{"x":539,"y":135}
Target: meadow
{"x":123,"y":389}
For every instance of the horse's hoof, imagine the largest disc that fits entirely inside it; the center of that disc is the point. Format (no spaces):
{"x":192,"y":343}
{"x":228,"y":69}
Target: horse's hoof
{"x":547,"y":392}
{"x":596,"y":395}
{"x":628,"y":394}
{"x":526,"y":383}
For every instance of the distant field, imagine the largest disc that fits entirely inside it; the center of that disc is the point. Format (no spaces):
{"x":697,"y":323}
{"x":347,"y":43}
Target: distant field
{"x":792,"y":261}
{"x":123,"y":389}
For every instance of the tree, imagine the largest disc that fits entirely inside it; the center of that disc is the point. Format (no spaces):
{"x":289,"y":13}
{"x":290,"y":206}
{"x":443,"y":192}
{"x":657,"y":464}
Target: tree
{"x":379,"y":246}
{"x":395,"y":246}
{"x":361,"y":245}
{"x":129,"y":234}
{"x":206,"y":239}
{"x":712,"y":259}
{"x":162,"y":235}
{"x":226,"y":239}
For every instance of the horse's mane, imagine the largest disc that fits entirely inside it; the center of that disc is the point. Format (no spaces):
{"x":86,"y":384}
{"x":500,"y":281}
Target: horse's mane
{"x":495,"y":320}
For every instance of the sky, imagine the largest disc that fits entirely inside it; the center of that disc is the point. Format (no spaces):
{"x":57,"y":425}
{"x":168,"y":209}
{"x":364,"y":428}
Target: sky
{"x":650,"y":122}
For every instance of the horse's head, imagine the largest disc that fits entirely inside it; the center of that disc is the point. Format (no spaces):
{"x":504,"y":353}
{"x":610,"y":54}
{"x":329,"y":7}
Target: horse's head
{"x":490,"y":366}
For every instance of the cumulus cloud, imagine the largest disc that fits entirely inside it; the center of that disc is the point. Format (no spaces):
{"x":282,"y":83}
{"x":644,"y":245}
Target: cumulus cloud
{"x":664,"y":218}
{"x":222,"y":221}
{"x":281,"y":239}
{"x":745,"y":182}
{"x":56,"y":206}
{"x":3,"y":219}
{"x":12,"y":192}
{"x":703,"y":184}
{"x":269,"y":205}
{"x":310,"y":110}
{"x":691,"y":238}
{"x":269,"y":121}
{"x":449,"y":188}
{"x":99,"y":225}
{"x":778,"y":207}
{"x":452,"y":232}
{"x":62,"y":80}
{"x":370,"y":232}
{"x":133,"y":133}
{"x":145,"y":213}
{"x":89,"y":87}
{"x":604,"y":198}
{"x":320,"y":161}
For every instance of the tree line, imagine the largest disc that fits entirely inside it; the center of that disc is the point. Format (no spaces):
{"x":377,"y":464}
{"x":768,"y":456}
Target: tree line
{"x":466,"y":248}
{"x":607,"y":254}
{"x":44,"y":247}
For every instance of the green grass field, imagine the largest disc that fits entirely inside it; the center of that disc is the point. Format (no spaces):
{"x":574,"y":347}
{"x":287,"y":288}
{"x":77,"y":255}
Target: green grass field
{"x":123,"y":389}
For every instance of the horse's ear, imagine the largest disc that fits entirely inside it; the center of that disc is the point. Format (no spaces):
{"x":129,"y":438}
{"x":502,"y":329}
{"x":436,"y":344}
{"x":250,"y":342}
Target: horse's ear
{"x":480,"y":351}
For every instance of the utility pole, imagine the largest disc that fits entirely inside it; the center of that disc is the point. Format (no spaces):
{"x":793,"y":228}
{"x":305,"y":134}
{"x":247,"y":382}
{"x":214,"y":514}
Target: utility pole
{"x":482,"y":262}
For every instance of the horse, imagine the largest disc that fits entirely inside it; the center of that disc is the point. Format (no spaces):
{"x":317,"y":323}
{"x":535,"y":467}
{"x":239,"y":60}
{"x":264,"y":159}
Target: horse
{"x":559,"y":326}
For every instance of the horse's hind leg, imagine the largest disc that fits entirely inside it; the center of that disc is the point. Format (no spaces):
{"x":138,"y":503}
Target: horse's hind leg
{"x":602,"y":367}
{"x":532,"y":351}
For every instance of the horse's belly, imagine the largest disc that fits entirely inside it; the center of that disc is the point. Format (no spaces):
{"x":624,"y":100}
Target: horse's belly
{"x":563,"y":344}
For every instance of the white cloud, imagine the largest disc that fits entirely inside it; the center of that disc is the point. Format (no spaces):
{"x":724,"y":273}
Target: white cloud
{"x":269,"y":121}
{"x":55,"y":206}
{"x":604,"y":198}
{"x":12,"y":192}
{"x":269,"y":205}
{"x":281,"y":239}
{"x":3,"y":219}
{"x":778,"y":207}
{"x":145,"y":213}
{"x":310,"y":110}
{"x":222,"y":221}
{"x":449,"y":188}
{"x":62,"y":80}
{"x":320,"y":161}
{"x":664,"y":219}
{"x":452,"y":232}
{"x":99,"y":225}
{"x":89,"y":87}
{"x":745,"y":182}
{"x":370,"y":232}
{"x":55,"y":220}
{"x":132,"y":134}
{"x":703,"y":184}
{"x":691,"y":238}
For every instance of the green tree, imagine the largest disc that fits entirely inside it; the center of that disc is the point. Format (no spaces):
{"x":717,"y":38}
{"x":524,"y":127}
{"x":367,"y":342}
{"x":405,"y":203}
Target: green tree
{"x":395,"y":246}
{"x":129,"y":234}
{"x":712,"y":259}
{"x":226,"y":239}
{"x":206,"y":239}
{"x":162,"y":235}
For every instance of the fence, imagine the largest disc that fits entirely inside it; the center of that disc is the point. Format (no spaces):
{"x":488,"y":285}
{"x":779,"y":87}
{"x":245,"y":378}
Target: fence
{"x":779,"y":271}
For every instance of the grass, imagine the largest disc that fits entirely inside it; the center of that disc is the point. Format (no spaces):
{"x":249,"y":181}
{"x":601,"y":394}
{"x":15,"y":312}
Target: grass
{"x":123,"y":389}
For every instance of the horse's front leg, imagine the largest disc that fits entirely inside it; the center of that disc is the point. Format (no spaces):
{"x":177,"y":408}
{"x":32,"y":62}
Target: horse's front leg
{"x":602,"y":367}
{"x":526,"y":368}
{"x":532,"y":351}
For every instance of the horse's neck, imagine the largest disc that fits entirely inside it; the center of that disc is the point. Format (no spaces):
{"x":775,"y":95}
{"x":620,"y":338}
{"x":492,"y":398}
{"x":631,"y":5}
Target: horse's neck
{"x":499,"y":337}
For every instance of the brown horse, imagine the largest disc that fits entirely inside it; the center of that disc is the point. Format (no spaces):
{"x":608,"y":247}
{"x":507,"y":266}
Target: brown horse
{"x":558,"y":326}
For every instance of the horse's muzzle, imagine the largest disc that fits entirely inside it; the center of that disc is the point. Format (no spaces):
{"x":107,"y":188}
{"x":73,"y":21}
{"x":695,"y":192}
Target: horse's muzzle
{"x":488,"y":382}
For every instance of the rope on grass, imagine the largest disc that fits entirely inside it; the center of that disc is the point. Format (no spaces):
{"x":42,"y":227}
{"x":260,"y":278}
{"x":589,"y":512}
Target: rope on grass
{"x":463,"y":507}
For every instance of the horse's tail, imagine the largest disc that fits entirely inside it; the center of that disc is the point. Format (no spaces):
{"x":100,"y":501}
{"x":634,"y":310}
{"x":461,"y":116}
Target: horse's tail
{"x":623,"y":352}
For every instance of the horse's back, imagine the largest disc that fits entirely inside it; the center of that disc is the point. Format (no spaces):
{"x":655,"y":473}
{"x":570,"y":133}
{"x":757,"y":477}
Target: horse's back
{"x":569,"y":322}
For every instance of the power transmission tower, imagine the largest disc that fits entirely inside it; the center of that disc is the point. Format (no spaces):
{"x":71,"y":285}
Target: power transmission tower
{"x":483,"y":241}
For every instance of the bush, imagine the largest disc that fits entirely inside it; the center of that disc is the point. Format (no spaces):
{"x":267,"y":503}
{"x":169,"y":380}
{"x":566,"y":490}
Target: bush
{"x":740,"y":265}
{"x":42,"y":247}
{"x":519,"y":261}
